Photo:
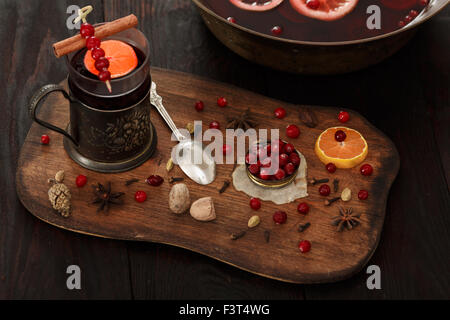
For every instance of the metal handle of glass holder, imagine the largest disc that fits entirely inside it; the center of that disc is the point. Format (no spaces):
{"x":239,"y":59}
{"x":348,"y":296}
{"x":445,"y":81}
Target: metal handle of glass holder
{"x":35,"y":102}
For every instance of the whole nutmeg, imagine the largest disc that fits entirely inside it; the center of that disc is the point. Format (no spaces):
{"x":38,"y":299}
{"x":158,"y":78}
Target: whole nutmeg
{"x":203,"y":209}
{"x":179,"y":199}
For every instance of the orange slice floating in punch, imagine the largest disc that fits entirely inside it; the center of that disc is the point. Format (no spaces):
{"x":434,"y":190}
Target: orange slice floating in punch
{"x":121,"y":56}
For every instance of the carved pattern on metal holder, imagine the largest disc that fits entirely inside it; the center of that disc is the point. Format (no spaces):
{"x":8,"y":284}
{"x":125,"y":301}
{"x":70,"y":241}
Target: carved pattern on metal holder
{"x":129,"y":132}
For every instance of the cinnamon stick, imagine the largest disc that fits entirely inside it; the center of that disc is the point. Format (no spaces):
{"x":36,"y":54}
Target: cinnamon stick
{"x":76,"y":42}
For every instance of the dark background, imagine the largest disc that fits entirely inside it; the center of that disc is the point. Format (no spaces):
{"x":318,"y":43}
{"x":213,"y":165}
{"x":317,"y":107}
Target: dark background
{"x":407,"y":97}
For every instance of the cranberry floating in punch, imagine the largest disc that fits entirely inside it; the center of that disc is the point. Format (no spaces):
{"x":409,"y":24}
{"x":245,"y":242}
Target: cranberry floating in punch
{"x":110,"y":128}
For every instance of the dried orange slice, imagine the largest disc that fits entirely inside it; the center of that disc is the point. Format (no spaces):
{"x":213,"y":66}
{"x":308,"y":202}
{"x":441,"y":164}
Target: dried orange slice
{"x":121,"y":56}
{"x":346,"y":154}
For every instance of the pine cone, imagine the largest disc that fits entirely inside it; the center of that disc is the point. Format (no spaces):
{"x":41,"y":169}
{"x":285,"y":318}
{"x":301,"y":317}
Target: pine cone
{"x":60,"y":196}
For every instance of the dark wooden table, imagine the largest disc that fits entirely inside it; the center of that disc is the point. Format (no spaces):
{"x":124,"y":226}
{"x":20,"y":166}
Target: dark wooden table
{"x":407,"y":97}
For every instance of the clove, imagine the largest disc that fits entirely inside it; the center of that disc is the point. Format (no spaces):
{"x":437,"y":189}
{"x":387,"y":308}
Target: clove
{"x":130,"y":182}
{"x":303,"y":227}
{"x":328,"y":202}
{"x":172,"y":179}
{"x":226,"y":184}
{"x":235,"y":236}
{"x":267,"y":236}
{"x":336,"y":185}
{"x":314,"y":181}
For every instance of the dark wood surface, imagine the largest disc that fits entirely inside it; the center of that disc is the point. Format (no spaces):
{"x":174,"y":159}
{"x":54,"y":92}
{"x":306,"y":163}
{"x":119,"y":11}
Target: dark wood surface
{"x":152,"y":220}
{"x":406,"y":97}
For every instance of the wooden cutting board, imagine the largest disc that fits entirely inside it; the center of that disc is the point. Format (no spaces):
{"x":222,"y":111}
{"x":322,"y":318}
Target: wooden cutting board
{"x":334,"y":256}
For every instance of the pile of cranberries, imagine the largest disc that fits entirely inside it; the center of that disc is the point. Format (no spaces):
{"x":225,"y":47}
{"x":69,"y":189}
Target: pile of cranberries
{"x":263,"y":163}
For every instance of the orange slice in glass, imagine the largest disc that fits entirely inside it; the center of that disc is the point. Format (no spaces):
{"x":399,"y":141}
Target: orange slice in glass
{"x":121,"y":56}
{"x":346,"y":154}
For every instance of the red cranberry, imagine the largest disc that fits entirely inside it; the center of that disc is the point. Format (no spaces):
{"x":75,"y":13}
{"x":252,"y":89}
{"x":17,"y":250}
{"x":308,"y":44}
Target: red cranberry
{"x":289,"y":168}
{"x":288,"y":148}
{"x":80,"y":181}
{"x":324,"y":190}
{"x":87,"y":30}
{"x":104,"y":75}
{"x":408,"y":19}
{"x":366,"y":169}
{"x":140,"y":196}
{"x":254,"y":169}
{"x":255,"y":203}
{"x":292,"y":131}
{"x":92,"y":43}
{"x":401,"y":23}
{"x":214,"y":125}
{"x":343,"y":116}
{"x":283,"y":159}
{"x":275,"y":147}
{"x":199,"y":106}
{"x":101,"y":64}
{"x":280,"y":145}
{"x":268,"y":149}
{"x":264,"y":174}
{"x":222,"y":102}
{"x":226,"y":149}
{"x":340,"y":136}
{"x":413,"y":13}
{"x":97,"y":53}
{"x":279,"y":217}
{"x":277,"y":30}
{"x":45,"y":139}
{"x":331,"y":167}
{"x":363,"y":195}
{"x":266,"y":163}
{"x":154,"y":180}
{"x":262,"y":153}
{"x":231,"y":19}
{"x":304,"y":246}
{"x":280,"y":113}
{"x":295,"y":159}
{"x":280,"y":174}
{"x":303,"y":208}
{"x":313,"y":4}
{"x":423,"y":2}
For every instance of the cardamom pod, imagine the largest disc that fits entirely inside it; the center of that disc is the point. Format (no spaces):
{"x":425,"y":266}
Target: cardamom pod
{"x":253,"y":221}
{"x":190,"y":127}
{"x":346,"y":194}
{"x":169,"y":165}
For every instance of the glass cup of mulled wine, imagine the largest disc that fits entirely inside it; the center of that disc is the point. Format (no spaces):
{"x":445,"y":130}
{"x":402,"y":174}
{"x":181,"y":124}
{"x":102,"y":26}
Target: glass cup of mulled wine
{"x":108,"y":131}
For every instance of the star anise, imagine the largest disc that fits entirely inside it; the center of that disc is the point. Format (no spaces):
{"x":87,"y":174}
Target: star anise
{"x":346,"y":219}
{"x":242,"y":121}
{"x":104,"y":196}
